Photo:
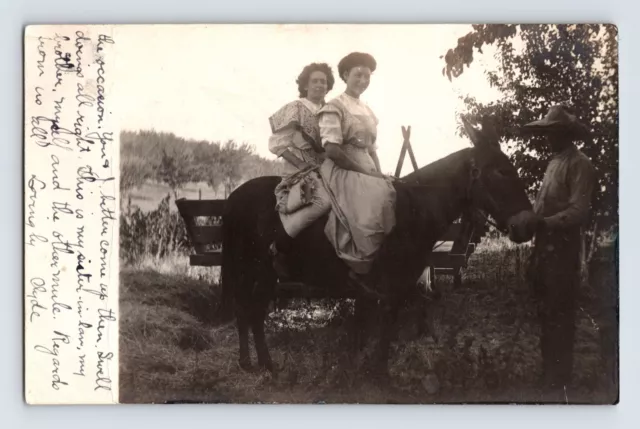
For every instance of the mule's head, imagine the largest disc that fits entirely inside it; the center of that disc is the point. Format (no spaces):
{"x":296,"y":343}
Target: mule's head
{"x":495,"y":186}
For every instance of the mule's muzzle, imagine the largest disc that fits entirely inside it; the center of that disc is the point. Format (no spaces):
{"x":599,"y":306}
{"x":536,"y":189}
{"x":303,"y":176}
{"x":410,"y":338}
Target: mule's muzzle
{"x":522,"y":226}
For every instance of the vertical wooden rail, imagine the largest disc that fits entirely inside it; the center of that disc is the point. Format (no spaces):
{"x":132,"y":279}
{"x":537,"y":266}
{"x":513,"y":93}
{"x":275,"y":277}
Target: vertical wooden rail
{"x":406,"y":146}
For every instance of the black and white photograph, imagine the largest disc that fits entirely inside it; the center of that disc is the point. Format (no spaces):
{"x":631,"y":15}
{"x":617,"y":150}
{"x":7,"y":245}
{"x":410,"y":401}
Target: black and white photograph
{"x":339,"y":213}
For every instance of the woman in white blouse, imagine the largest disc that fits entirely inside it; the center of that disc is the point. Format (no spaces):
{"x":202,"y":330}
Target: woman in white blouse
{"x":363,"y":199}
{"x":301,"y":196}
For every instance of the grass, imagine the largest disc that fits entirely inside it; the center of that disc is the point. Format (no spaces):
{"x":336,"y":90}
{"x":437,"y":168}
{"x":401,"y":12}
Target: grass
{"x":173,"y":349}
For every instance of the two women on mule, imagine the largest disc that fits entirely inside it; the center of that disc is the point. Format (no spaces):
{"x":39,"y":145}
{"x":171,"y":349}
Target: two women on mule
{"x":347,"y":181}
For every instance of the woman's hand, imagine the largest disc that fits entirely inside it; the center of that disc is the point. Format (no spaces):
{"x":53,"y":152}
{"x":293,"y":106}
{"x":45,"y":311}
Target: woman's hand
{"x":389,"y":179}
{"x":342,"y":160}
{"x":297,"y":162}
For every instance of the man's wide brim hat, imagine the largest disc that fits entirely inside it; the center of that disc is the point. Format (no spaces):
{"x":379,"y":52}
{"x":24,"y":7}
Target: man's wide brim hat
{"x":559,"y":118}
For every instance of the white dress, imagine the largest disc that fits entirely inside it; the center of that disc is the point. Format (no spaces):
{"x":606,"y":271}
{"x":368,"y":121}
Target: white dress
{"x":363,"y":206}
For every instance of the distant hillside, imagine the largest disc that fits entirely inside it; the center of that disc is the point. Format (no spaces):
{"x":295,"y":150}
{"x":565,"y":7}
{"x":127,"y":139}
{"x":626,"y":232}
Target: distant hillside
{"x":150,"y":159}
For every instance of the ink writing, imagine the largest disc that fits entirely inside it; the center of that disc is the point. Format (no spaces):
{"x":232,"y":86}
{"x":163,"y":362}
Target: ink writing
{"x":58,"y":339}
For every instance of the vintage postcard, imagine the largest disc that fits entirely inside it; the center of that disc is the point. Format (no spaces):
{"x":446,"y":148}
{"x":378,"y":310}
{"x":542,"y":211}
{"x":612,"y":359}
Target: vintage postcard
{"x":386,"y":214}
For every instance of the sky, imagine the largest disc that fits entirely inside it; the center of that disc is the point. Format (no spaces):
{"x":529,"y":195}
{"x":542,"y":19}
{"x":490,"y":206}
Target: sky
{"x":220,"y":82}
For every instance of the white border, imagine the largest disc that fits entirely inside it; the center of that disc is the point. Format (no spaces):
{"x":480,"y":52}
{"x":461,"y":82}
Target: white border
{"x":15,"y":15}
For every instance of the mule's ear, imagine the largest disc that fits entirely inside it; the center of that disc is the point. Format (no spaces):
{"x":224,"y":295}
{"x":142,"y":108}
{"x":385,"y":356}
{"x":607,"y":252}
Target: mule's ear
{"x":489,"y":133}
{"x":474,"y":134}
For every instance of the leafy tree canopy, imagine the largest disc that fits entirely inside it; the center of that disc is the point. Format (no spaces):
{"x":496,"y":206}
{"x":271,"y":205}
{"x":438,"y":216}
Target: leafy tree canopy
{"x":542,"y":65}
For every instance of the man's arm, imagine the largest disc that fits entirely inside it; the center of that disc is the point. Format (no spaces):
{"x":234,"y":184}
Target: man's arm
{"x":582,"y":181}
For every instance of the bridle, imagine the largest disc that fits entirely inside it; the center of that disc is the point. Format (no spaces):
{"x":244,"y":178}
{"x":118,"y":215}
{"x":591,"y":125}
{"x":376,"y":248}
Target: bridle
{"x":474,"y":175}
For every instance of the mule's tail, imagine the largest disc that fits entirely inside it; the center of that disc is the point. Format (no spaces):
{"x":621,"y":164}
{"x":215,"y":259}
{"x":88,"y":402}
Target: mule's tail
{"x":229,"y":270}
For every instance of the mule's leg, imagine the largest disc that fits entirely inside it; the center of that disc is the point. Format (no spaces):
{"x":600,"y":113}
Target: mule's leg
{"x":257,"y":325}
{"x":426,"y":288}
{"x":387,"y":327}
{"x":361,"y":319}
{"x":243,"y":335}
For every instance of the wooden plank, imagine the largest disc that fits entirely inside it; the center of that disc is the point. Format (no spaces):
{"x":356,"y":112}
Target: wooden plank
{"x":443,"y":246}
{"x":206,"y":234}
{"x":194,"y":208}
{"x":212,"y":259}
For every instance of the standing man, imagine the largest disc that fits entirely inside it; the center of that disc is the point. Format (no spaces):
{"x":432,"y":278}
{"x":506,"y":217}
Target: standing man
{"x":562,"y":207}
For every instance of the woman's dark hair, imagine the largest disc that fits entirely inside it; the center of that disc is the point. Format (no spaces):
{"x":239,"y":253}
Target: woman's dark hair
{"x":356,"y":59}
{"x":303,"y":78}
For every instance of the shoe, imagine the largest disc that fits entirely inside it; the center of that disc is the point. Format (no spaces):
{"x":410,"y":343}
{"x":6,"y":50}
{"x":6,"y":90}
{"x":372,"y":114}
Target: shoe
{"x":279,"y":262}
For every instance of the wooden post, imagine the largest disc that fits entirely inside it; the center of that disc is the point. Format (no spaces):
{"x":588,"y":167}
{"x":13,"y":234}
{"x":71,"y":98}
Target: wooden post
{"x":406,"y":146}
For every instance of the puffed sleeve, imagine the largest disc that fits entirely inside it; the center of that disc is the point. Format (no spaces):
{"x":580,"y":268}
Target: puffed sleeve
{"x":281,"y":140}
{"x":330,"y":124}
{"x":330,"y":128}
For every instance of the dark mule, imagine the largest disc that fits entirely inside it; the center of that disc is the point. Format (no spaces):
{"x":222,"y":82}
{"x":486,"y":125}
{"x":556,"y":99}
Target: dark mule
{"x":428,"y":201}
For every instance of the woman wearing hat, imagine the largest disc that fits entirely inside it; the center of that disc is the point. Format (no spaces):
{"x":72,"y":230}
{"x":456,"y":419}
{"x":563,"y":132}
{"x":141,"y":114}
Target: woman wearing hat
{"x":562,"y":207}
{"x":363,"y":199}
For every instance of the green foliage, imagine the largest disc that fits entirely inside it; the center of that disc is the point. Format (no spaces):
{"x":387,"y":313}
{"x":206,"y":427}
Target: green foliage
{"x":542,"y":65}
